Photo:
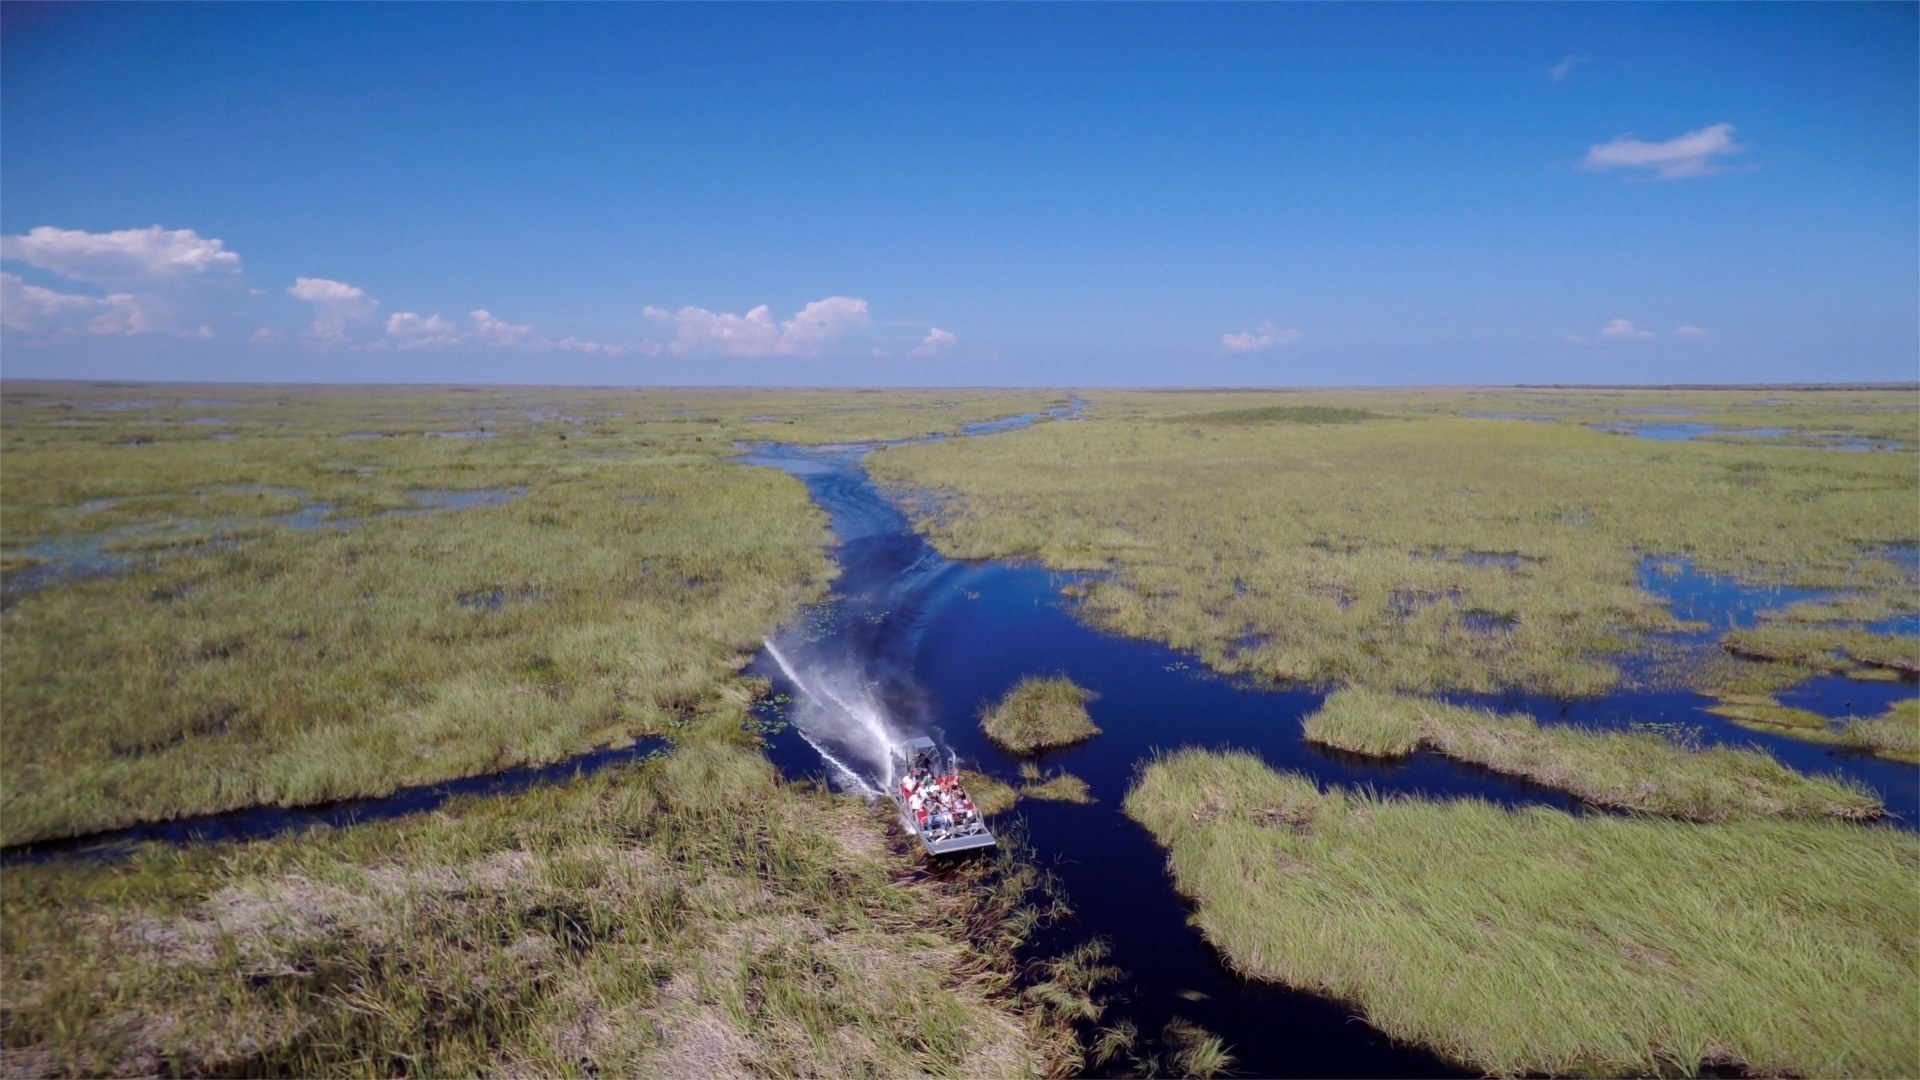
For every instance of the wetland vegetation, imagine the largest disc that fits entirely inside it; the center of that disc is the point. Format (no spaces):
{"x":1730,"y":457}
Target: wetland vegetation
{"x":360,"y":591}
{"x":299,"y":613}
{"x":1534,"y":941}
{"x":1413,"y":547}
{"x":689,"y":916}
{"x":1894,"y":734}
{"x":1038,"y":713}
{"x":1640,"y":771}
{"x":386,"y":641}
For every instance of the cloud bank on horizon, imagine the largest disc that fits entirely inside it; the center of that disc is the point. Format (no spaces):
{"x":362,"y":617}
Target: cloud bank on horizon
{"x":170,"y":280}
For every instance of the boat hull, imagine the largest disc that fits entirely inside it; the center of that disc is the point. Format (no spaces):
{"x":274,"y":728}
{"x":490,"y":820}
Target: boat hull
{"x":950,"y":845}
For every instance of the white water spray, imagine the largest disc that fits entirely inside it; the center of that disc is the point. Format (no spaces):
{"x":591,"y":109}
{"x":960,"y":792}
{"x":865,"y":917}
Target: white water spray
{"x":827,"y":718}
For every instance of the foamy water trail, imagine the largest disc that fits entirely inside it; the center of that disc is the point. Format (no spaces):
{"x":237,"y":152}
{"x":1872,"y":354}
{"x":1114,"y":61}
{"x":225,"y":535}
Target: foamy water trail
{"x":827,"y":717}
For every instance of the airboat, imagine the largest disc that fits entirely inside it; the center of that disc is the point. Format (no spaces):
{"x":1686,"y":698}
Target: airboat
{"x":920,"y":766}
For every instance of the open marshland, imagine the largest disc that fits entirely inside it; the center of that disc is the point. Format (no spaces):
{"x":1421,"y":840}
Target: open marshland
{"x":1420,"y":542}
{"x":1533,"y":941}
{"x":1530,"y":618}
{"x":691,"y":916}
{"x":297,"y":614}
{"x":360,"y":592}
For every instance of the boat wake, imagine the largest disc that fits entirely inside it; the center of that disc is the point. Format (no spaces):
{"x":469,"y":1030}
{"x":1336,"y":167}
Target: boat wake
{"x":836,"y":712}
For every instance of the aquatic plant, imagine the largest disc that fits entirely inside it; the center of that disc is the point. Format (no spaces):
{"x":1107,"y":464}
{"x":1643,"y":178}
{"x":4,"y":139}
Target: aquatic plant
{"x":1054,"y":787}
{"x":247,"y":650}
{"x":990,"y":796}
{"x":1626,"y":770}
{"x":1894,"y":734}
{"x":1040,"y":712}
{"x":1194,"y":1051}
{"x":1844,"y":650}
{"x":687,"y":916}
{"x":692,"y":916}
{"x":1360,"y":553}
{"x":1279,"y":414}
{"x":1535,"y":941}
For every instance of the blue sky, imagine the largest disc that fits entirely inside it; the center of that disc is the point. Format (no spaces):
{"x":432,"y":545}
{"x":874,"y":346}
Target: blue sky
{"x":960,"y":195}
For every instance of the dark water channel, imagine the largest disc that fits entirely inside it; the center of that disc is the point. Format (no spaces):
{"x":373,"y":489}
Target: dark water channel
{"x":917,"y":644}
{"x":263,"y":822}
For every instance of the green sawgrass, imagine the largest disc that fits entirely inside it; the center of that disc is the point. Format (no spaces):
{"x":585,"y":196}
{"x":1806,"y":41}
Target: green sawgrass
{"x":1055,"y":786}
{"x":1039,"y":713}
{"x":990,"y":796}
{"x":1364,"y":553}
{"x":1894,"y":734}
{"x":239,"y":661}
{"x":1625,"y":770}
{"x":1843,"y":650}
{"x":1537,"y":942}
{"x":691,"y":916}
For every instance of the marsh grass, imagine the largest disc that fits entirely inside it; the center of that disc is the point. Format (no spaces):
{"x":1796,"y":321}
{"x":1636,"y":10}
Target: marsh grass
{"x":1533,"y":941}
{"x":1842,"y":650}
{"x":692,"y":916}
{"x":688,"y":916}
{"x":1192,"y":1050}
{"x":993,"y":796}
{"x":1623,"y":770}
{"x":1766,"y":712}
{"x":237,"y":660}
{"x":1055,"y":786}
{"x":1894,"y":734}
{"x":1280,"y":414}
{"x":1038,"y":713}
{"x":1356,"y":553}
{"x":990,"y":796}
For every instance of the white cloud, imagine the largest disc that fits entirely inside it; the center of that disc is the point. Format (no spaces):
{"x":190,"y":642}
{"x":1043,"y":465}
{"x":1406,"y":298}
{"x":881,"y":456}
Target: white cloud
{"x":936,"y":342}
{"x":1623,"y":330}
{"x":36,"y":310}
{"x":697,"y":330}
{"x":491,"y":331}
{"x":31,"y":307}
{"x":817,"y":326}
{"x":175,"y":281}
{"x":1560,"y":71}
{"x":1689,"y":332}
{"x":125,"y":257}
{"x":1686,"y":155}
{"x":1264,"y":336}
{"x":820,"y":322}
{"x":155,"y":281}
{"x":411,"y":331}
{"x":337,"y":307}
{"x":591,"y":348}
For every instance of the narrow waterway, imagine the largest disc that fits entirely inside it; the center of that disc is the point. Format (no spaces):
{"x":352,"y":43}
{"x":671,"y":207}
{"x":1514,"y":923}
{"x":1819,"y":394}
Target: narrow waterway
{"x":264,"y":822}
{"x":911,"y":643}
